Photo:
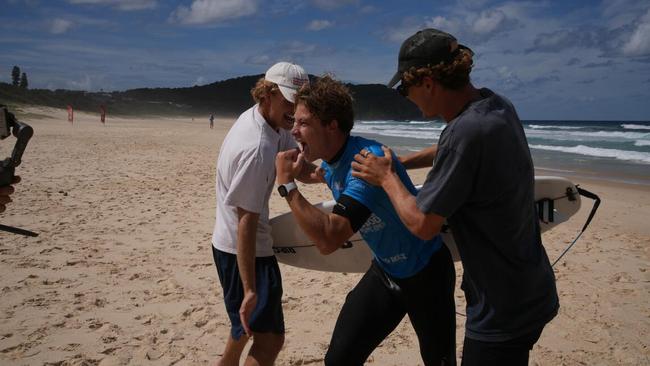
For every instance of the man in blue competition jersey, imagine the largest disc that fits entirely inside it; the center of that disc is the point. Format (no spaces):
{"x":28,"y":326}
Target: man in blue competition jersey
{"x":408,"y":275}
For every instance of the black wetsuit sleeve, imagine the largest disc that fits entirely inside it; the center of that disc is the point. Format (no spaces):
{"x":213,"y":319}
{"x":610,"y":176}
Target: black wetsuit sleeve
{"x":353,"y":210}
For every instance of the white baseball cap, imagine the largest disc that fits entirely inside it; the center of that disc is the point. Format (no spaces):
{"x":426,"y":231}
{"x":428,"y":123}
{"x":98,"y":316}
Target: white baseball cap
{"x":289,"y":77}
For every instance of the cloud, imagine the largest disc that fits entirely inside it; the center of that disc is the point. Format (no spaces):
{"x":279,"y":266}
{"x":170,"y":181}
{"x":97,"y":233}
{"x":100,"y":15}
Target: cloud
{"x":469,"y":27}
{"x":297,"y":47}
{"x":126,"y":5}
{"x":60,"y":26}
{"x":84,"y":84}
{"x":213,"y":11}
{"x":333,"y":4}
{"x":560,"y":40}
{"x":472,"y":4}
{"x":625,"y":32}
{"x":200,"y":81}
{"x":452,"y":26}
{"x":631,"y":39}
{"x":260,"y":60}
{"x":489,"y":22}
{"x":585,"y":82}
{"x":508,"y":79}
{"x":368,"y":9}
{"x":574,"y":61}
{"x":619,"y":13}
{"x":317,"y":25}
{"x":544,"y":79}
{"x":406,"y":28}
{"x":639,"y":42}
{"x":292,"y":51}
{"x":593,"y":65}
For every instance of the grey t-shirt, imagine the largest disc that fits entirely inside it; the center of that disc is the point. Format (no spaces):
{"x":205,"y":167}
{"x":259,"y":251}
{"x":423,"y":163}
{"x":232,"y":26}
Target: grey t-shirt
{"x":482,"y":181}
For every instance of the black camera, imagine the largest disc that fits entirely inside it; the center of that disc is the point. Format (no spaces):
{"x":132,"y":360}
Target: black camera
{"x":23,"y":132}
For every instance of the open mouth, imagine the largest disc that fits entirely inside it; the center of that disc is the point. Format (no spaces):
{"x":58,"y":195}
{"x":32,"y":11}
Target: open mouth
{"x":304,"y":149}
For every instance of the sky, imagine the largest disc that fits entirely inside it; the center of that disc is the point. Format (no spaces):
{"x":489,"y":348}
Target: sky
{"x":577,"y":60}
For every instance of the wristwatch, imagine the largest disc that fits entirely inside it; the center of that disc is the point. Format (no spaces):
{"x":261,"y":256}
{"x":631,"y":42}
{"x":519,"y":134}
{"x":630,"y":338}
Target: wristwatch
{"x":284,"y":189}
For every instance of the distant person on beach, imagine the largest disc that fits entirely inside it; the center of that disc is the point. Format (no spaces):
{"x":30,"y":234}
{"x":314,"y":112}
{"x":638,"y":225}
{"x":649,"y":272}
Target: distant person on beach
{"x":408,"y":275}
{"x":482,"y":183}
{"x":7,"y":191}
{"x":241,"y":243}
{"x":212,"y":121}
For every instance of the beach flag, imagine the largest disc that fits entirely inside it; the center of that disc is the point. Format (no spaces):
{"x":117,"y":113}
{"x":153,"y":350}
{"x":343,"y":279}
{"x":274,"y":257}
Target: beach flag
{"x":70,"y":114}
{"x":102,"y":111}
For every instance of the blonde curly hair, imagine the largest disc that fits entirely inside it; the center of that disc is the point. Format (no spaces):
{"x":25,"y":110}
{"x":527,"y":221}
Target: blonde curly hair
{"x":263,"y":89}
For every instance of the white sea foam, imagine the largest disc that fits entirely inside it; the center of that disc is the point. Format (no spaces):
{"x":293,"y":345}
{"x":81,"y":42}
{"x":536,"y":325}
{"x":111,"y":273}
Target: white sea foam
{"x":599,"y":152}
{"x":585,"y":135}
{"x":635,"y":127}
{"x":406,"y":124}
{"x":422,"y":133}
{"x":415,"y":134}
{"x":642,"y":143}
{"x":554,"y":127}
{"x":617,"y":134}
{"x":583,"y":140}
{"x":374,"y":122}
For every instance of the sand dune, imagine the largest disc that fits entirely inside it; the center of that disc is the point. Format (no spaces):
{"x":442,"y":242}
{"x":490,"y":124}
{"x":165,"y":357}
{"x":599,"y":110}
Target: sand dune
{"x":122,"y":272}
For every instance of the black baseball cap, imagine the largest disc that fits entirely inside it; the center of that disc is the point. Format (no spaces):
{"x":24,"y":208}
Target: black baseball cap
{"x":428,"y":47}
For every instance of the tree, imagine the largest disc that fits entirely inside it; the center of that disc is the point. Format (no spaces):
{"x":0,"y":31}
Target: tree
{"x":23,"y":81}
{"x":15,"y":75}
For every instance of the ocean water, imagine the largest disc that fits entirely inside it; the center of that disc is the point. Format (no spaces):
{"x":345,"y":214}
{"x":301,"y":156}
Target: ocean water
{"x":617,"y":151}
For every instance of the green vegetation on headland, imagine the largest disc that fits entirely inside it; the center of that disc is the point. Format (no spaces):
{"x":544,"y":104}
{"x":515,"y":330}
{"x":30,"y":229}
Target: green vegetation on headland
{"x":225,"y":98}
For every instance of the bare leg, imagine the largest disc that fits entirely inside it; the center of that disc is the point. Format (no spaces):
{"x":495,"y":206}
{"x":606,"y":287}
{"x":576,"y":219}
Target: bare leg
{"x":265,"y":349}
{"x":232,"y":352}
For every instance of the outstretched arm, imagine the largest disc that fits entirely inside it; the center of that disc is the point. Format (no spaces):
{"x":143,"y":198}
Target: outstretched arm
{"x":379,"y":171}
{"x":421,"y":159}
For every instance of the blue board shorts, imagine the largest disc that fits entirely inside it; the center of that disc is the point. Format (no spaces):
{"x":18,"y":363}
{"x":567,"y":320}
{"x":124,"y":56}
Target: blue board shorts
{"x":267,"y":316}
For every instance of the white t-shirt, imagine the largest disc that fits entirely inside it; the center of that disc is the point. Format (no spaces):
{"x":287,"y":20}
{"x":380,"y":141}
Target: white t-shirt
{"x":245,"y":179}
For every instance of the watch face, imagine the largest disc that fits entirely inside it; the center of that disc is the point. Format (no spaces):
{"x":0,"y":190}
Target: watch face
{"x":282,"y":190}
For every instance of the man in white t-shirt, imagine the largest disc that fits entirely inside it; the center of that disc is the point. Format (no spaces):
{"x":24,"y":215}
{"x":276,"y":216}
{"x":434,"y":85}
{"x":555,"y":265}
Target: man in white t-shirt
{"x":241,"y":242}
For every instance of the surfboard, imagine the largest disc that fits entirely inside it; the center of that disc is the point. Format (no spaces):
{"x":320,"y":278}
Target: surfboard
{"x":557,"y":199}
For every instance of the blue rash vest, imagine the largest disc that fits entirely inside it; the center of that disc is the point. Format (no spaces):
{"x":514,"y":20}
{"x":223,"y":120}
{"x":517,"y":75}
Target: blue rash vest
{"x":397,"y":251}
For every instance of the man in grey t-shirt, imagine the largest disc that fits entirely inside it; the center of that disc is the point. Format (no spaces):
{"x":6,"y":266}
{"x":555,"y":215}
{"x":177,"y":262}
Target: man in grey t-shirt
{"x":482,"y":183}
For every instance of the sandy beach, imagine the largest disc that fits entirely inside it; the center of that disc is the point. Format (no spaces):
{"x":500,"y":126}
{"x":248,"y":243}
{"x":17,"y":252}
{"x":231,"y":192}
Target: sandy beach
{"x":122,"y":271}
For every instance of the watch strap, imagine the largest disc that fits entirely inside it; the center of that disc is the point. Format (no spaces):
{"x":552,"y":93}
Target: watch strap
{"x":284,"y":189}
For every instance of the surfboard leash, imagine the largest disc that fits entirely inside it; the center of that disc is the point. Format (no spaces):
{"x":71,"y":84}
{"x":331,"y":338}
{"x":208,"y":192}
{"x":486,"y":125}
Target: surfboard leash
{"x":17,"y":230}
{"x":585,"y":193}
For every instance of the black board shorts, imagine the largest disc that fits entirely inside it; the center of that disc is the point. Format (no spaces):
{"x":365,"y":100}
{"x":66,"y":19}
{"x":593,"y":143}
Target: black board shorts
{"x":267,"y":316}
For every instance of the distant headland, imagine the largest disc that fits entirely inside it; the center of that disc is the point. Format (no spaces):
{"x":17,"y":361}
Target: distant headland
{"x":225,"y":98}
